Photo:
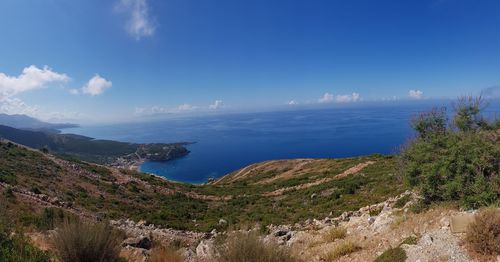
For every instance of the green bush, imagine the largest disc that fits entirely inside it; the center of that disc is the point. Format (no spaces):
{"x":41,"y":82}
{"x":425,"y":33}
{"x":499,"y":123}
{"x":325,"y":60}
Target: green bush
{"x":402,"y":201}
{"x":84,"y":242}
{"x":7,"y":177}
{"x":455,"y":163}
{"x":411,"y":240}
{"x":18,"y":249}
{"x":392,"y":255}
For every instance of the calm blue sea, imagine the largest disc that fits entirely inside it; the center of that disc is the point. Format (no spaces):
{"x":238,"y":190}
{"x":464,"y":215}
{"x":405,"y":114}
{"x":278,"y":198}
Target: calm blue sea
{"x":224,"y":143}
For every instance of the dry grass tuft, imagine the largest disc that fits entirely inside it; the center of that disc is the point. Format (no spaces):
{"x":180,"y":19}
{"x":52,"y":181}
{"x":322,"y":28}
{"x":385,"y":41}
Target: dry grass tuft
{"x":247,"y":247}
{"x":344,"y":248}
{"x":165,"y":254}
{"x":85,"y":242}
{"x":483,"y":235}
{"x":335,"y":233}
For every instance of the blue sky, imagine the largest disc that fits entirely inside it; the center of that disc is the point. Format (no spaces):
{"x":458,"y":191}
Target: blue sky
{"x":123,"y":59}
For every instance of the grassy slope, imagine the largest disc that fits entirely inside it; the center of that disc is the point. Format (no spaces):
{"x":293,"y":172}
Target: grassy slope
{"x":95,"y":189}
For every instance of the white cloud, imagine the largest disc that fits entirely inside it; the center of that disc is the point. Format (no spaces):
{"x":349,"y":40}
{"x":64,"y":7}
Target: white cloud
{"x":216,"y":105}
{"x":95,"y":86}
{"x":139,"y":23}
{"x":326,"y":98}
{"x":415,"y":94}
{"x":329,"y":98}
{"x":186,"y":107}
{"x":16,"y":106}
{"x":140,"y":110}
{"x":354,"y":97}
{"x":293,"y":103}
{"x":31,"y":78}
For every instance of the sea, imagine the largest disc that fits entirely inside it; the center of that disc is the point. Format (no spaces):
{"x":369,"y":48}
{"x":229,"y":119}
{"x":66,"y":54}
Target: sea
{"x":223,"y":143}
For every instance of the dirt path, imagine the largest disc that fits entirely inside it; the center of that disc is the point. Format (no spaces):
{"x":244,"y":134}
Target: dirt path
{"x":353,"y":170}
{"x":298,"y":165}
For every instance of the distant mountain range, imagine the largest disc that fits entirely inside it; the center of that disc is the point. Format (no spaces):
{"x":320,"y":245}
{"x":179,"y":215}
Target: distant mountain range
{"x":30,"y":123}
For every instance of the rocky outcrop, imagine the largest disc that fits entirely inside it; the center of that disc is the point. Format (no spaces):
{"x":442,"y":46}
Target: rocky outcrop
{"x":164,"y":235}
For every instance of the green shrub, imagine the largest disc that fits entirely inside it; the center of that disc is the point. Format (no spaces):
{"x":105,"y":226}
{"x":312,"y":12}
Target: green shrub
{"x":9,"y":193}
{"x":401,"y":202}
{"x":454,"y":164}
{"x":411,"y":240}
{"x":247,"y":247}
{"x":392,"y":255}
{"x":418,"y":207}
{"x":375,"y":212}
{"x":85,"y":242}
{"x":49,"y":218}
{"x":7,"y":177}
{"x":484,"y":233}
{"x":18,"y":249}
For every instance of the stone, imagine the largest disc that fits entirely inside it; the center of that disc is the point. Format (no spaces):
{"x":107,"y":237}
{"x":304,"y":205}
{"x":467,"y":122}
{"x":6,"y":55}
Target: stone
{"x":143,"y":242}
{"x":280,"y":233}
{"x":371,"y":220}
{"x":444,"y":222}
{"x":426,"y":240}
{"x":204,"y":249}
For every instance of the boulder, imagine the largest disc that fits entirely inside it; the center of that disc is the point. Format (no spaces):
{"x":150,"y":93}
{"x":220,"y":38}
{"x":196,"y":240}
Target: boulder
{"x":222,"y":222}
{"x":204,"y":249}
{"x":143,"y":242}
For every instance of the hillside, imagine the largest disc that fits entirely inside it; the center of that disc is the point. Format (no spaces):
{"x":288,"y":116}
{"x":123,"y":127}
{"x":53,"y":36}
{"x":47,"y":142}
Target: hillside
{"x":91,"y":189}
{"x":27,"y":122}
{"x":93,"y":150}
{"x":299,"y":203}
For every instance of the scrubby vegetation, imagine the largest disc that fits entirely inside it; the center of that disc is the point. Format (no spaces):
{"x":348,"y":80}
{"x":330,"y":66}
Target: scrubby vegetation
{"x":17,"y":248}
{"x":396,"y":254}
{"x":483,"y":234}
{"x":335,"y":233}
{"x":342,"y":249}
{"x":85,"y":242}
{"x":455,"y":160}
{"x":101,"y":191}
{"x":248,"y":247}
